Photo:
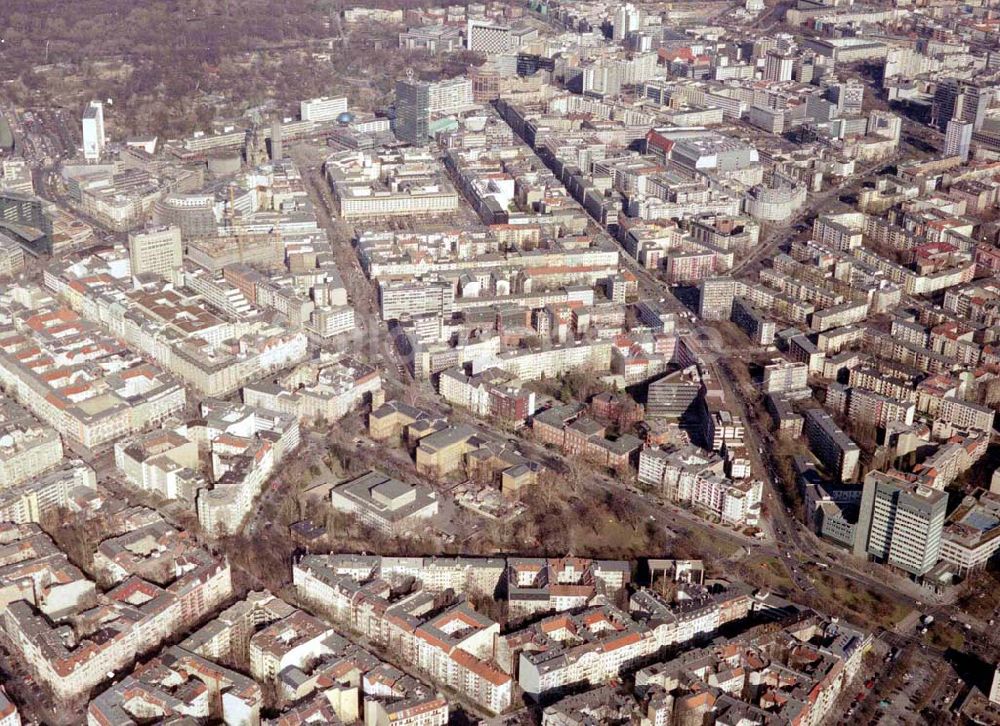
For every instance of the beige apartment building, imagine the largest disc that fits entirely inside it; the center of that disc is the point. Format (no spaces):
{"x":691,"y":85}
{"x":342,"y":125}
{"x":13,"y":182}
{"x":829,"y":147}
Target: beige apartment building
{"x":26,"y":447}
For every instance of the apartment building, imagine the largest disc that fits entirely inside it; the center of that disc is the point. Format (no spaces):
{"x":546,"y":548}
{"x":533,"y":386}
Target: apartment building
{"x":164,"y":461}
{"x":92,"y":400}
{"x":780,"y":304}
{"x":691,"y":266}
{"x":638,"y":357}
{"x":452,"y":644}
{"x":600,"y":705}
{"x":842,"y":232}
{"x":538,"y":585}
{"x":530,"y":365}
{"x":834,"y":366}
{"x":138,"y":613}
{"x":753,"y":322}
{"x":392,"y":697}
{"x":835,"y":340}
{"x":694,"y":613}
{"x":807,"y":290}
{"x":775,"y":199}
{"x":894,"y":386}
{"x":864,"y":407}
{"x":914,"y":283}
{"x":318,"y":390}
{"x":227,"y":637}
{"x":789,"y":423}
{"x":71,"y":486}
{"x":839,"y":454}
{"x":715,"y":300}
{"x":455,"y":646}
{"x":246,"y":445}
{"x":243,"y":445}
{"x":698,"y":477}
{"x":802,"y":350}
{"x":327,"y":578}
{"x":785,"y":377}
{"x":152,"y":688}
{"x":11,"y":256}
{"x":290,"y":642}
{"x":953,"y":457}
{"x":965,"y":414}
{"x":592,"y":646}
{"x":737,"y":233}
{"x":492,"y":394}
{"x":837,"y":316}
{"x":315,"y":674}
{"x":175,"y":327}
{"x":26,"y":448}
{"x":711,"y":680}
{"x":156,"y":552}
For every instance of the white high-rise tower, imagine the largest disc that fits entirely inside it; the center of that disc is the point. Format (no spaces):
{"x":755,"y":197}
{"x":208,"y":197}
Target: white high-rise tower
{"x":626,"y":19}
{"x":93,"y":131}
{"x":958,"y":138}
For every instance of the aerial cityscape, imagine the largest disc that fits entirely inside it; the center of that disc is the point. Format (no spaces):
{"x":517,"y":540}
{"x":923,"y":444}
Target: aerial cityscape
{"x":556,"y":362}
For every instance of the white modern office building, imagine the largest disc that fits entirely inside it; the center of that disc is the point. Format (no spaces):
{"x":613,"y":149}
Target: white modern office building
{"x":93,"y":131}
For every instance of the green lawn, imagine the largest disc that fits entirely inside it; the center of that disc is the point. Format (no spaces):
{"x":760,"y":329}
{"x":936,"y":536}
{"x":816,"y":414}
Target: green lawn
{"x":942,"y":635}
{"x":703,"y":540}
{"x":771,"y":571}
{"x":869,"y":606}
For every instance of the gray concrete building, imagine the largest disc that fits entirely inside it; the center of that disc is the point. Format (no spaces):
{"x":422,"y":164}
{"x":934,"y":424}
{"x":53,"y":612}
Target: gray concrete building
{"x":900,"y":523}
